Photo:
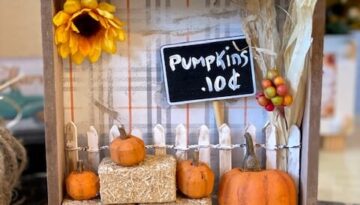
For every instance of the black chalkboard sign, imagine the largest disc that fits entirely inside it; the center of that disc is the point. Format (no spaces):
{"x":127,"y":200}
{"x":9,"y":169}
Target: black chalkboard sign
{"x":208,"y":70}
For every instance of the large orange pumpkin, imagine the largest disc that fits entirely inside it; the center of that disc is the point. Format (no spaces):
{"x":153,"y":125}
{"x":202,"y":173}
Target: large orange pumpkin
{"x":82,"y":185}
{"x":253,"y":186}
{"x":127,"y":150}
{"x":194,"y":179}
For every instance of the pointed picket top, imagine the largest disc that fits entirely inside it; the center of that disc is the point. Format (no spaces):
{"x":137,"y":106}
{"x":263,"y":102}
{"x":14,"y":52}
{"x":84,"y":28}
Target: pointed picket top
{"x":114,"y":133}
{"x":225,"y":154}
{"x":271,"y":145}
{"x":137,"y":133}
{"x":293,"y":164}
{"x":71,"y":146}
{"x":204,"y":140}
{"x":92,"y":139}
{"x":181,"y":142}
{"x":93,"y":154}
{"x":159,"y":139}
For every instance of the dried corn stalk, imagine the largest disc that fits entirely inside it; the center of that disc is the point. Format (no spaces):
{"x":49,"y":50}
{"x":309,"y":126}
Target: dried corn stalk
{"x":289,"y":52}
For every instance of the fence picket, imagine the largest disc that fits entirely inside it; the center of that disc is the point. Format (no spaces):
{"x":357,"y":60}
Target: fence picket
{"x":271,"y":142}
{"x":293,"y":165}
{"x":204,"y":140}
{"x":137,"y":132}
{"x":72,"y":154}
{"x":113,"y":133}
{"x":225,"y":159}
{"x":181,"y":142}
{"x":93,"y":149}
{"x":159,"y":140}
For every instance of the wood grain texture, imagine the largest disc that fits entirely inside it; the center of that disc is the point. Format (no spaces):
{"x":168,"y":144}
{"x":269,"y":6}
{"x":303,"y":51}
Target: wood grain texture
{"x":93,"y":155}
{"x":181,"y":142}
{"x":159,"y":139}
{"x":54,"y":113}
{"x":204,"y":140}
{"x":225,"y":155}
{"x":311,"y":121}
{"x":71,"y":143}
{"x":293,"y":163}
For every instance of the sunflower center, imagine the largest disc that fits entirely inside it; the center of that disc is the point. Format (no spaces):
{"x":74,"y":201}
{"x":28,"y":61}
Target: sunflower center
{"x":87,"y":25}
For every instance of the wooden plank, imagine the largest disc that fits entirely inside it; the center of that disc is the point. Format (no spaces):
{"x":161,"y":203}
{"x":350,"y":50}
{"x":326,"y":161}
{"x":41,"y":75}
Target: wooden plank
{"x":270,"y":143}
{"x":293,"y":163}
{"x":225,"y":160}
{"x":204,"y":140}
{"x":54,"y":113}
{"x":72,"y":154}
{"x":181,"y":142}
{"x":113,"y":133}
{"x":159,"y":140}
{"x":93,"y":151}
{"x":310,"y":128}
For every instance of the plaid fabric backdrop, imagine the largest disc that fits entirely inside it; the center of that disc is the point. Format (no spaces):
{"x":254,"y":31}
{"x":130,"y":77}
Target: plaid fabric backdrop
{"x":131,"y":82}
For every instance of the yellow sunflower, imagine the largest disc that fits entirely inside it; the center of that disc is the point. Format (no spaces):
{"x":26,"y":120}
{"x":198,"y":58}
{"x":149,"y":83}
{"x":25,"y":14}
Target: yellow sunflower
{"x":85,"y":27}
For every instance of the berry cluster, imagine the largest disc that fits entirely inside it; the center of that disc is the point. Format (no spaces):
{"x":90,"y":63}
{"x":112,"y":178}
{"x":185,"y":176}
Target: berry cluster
{"x":275,"y":92}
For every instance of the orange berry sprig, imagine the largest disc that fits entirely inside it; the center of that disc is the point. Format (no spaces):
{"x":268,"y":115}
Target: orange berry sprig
{"x":275,"y":92}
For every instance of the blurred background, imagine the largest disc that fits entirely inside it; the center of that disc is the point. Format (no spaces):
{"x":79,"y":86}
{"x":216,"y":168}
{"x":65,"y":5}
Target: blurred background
{"x":339,"y":167}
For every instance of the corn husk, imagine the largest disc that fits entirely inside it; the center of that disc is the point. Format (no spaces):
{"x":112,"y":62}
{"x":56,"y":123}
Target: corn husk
{"x":287,"y":49}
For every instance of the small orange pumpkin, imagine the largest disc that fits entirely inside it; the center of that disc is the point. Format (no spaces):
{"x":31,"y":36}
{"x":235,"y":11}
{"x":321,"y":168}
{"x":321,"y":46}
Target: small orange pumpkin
{"x":194,"y":179}
{"x":255,"y":186}
{"x":127,"y":150}
{"x":82,"y":185}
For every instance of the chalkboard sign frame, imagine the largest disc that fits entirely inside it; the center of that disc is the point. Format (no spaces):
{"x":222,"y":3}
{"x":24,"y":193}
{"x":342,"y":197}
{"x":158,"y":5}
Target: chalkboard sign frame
{"x":199,"y":42}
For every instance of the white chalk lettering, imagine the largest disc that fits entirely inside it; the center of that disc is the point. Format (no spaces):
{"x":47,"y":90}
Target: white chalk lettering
{"x":219,"y":60}
{"x":209,"y":60}
{"x":233,"y":82}
{"x":174,"y":60}
{"x":246,"y":58}
{"x":186,"y":65}
{"x":197,"y":61}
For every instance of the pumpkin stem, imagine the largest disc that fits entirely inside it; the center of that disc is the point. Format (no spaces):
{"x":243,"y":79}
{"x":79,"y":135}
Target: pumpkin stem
{"x":123,"y":134}
{"x":251,"y":163}
{"x":80,"y":166}
{"x":195,"y":160}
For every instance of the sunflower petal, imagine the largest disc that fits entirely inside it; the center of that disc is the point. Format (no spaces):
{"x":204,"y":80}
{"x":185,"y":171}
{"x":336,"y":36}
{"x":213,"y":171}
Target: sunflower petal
{"x":105,"y":14}
{"x":107,"y":7}
{"x":77,"y":58}
{"x":121,"y":35}
{"x":95,"y":52}
{"x":64,"y":50}
{"x":74,"y":28}
{"x":61,"y":18}
{"x":84,"y":46}
{"x":61,"y":35}
{"x":92,"y":4}
{"x":72,"y":6}
{"x":118,"y":22}
{"x":109,"y":45}
{"x":103,"y":22}
{"x":113,"y":23}
{"x":93,"y":15}
{"x":73,"y":43}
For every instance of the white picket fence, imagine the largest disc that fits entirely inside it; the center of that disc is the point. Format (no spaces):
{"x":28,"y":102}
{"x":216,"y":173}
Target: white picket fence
{"x":274,"y":152}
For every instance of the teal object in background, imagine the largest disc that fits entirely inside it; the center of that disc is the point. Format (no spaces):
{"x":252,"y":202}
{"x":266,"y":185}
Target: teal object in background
{"x":30,"y":105}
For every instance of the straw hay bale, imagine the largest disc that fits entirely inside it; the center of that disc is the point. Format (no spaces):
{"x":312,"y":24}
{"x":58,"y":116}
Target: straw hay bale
{"x":185,"y":201}
{"x":152,"y":181}
{"x":85,"y":202}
